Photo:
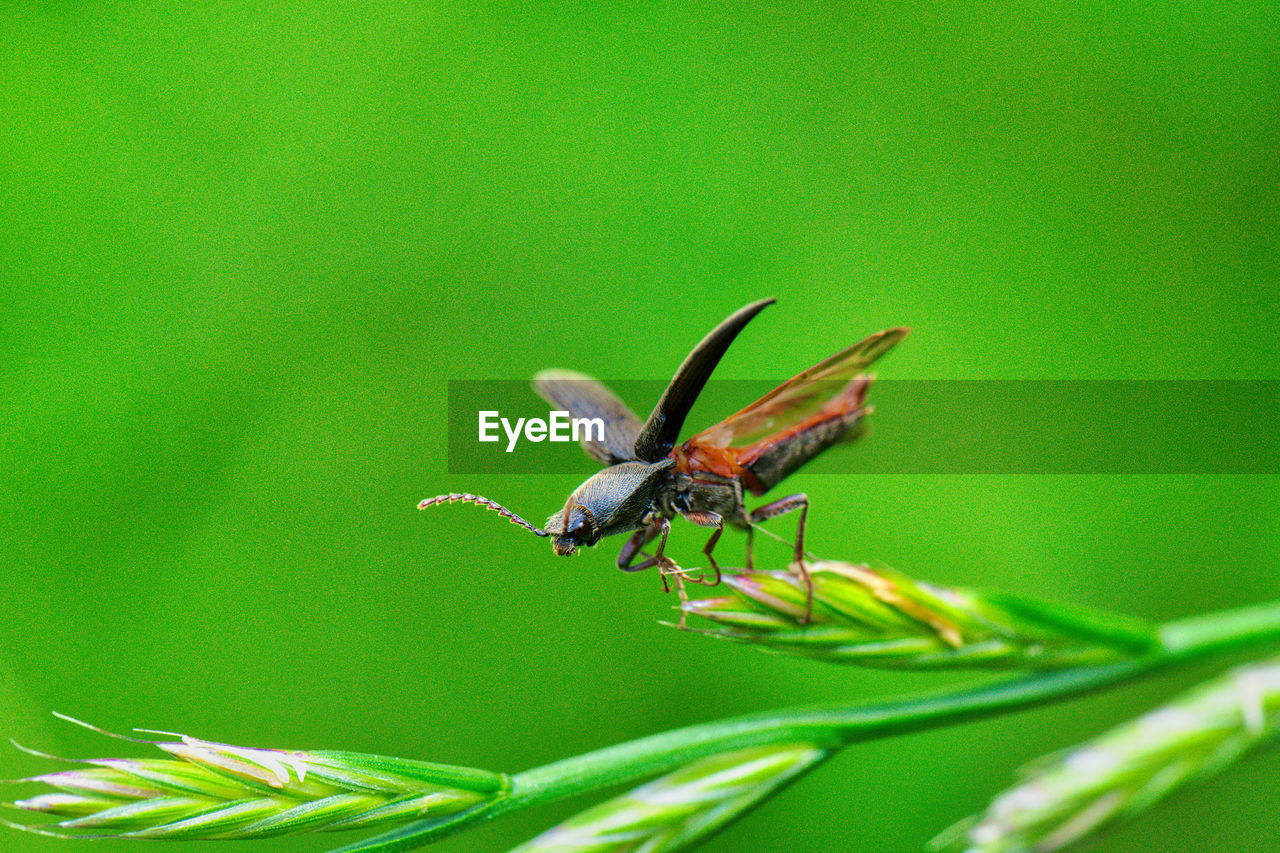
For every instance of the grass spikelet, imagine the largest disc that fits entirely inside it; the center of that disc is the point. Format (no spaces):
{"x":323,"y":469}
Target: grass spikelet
{"x":213,"y":790}
{"x":674,"y":811}
{"x":1066,"y":798}
{"x":883,"y":618}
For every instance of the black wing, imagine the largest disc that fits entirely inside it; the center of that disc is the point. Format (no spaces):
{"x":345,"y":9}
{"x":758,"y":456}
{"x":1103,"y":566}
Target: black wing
{"x":661,"y":431}
{"x":583,"y":397}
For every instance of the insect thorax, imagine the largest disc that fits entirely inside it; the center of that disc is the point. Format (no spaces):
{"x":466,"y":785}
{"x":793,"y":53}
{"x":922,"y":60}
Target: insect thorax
{"x":707,"y":493}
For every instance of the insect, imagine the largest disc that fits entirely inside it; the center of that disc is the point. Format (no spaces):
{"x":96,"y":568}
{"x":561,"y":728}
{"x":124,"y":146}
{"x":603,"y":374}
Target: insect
{"x":650,"y":478}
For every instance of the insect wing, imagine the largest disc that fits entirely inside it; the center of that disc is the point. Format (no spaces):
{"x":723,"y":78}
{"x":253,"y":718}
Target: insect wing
{"x":799,"y":398}
{"x":662,"y":429}
{"x":583,"y":397}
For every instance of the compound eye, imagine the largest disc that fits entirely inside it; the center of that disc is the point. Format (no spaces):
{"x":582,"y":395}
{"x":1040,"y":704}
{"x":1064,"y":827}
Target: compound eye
{"x":582,"y":526}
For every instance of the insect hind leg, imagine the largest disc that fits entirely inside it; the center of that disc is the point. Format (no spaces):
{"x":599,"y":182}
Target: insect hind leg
{"x":707,"y":549}
{"x":782,"y":506}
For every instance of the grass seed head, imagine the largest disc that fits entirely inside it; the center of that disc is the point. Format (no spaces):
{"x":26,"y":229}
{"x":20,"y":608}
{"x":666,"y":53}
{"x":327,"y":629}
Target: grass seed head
{"x":1066,"y":798}
{"x":214,"y":790}
{"x":883,"y":618}
{"x":673,"y":811}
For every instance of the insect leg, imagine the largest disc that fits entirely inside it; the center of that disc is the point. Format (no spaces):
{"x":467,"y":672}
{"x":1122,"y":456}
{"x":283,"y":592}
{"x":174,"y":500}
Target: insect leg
{"x":635,"y":546}
{"x":637,"y":541}
{"x":705,"y":518}
{"x":667,"y":566}
{"x":707,"y":549}
{"x":675,"y":572}
{"x":782,"y":506}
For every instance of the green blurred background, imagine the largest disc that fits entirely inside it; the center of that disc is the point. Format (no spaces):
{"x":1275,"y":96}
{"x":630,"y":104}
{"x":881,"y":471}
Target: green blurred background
{"x":245,"y":246}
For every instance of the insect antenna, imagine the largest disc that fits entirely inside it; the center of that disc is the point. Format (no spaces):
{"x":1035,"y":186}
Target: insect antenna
{"x":487,"y":504}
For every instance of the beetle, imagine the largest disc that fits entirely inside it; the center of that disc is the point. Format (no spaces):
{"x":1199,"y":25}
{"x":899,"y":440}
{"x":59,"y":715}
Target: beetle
{"x":650,"y":479}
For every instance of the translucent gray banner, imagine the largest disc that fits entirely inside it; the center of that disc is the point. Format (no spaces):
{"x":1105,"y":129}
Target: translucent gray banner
{"x":932,"y":427}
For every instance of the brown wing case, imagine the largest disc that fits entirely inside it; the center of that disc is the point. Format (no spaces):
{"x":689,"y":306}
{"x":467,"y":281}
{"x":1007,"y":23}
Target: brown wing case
{"x":784,"y":429}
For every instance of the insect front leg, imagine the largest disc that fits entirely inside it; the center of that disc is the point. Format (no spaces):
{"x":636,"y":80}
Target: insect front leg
{"x":782,"y":506}
{"x":635,"y":547}
{"x":667,"y":566}
{"x":660,"y":527}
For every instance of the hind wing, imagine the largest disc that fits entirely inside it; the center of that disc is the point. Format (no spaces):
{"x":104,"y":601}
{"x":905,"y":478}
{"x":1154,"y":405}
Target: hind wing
{"x":584,"y":397}
{"x":824,"y":391}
